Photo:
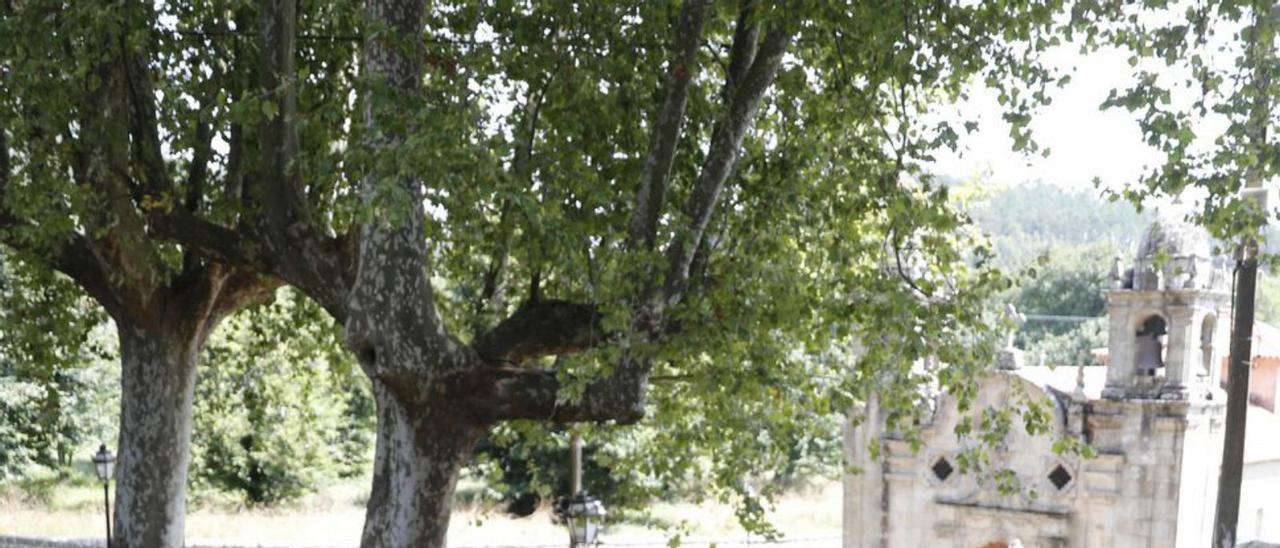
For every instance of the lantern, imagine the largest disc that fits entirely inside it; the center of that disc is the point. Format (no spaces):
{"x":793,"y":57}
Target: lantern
{"x":583,"y":515}
{"x":104,"y":462}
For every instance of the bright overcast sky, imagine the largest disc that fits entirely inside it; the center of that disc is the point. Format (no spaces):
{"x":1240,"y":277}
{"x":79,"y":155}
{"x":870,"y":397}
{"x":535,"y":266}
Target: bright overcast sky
{"x":1085,"y":142}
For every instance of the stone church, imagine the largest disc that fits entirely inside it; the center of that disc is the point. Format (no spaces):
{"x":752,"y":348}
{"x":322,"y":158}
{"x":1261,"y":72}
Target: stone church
{"x":1153,"y":414}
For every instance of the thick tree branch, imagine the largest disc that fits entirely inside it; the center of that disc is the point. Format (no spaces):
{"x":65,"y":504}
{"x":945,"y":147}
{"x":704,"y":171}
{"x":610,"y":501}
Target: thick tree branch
{"x":301,"y":252}
{"x":541,"y":329}
{"x":75,"y":256}
{"x":197,"y":174}
{"x":4,"y":168}
{"x":277,"y":192}
{"x":79,"y":259}
{"x":114,"y":136}
{"x":210,"y":239}
{"x":726,"y":142}
{"x":746,"y":35}
{"x":143,"y":125}
{"x":235,"y":177}
{"x":665,"y":132}
{"x":534,"y":394}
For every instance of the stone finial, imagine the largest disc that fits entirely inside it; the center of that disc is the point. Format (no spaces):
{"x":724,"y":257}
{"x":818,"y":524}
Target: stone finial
{"x":1009,"y":359}
{"x":1117,"y":272}
{"x":1012,"y":315}
{"x":1079,"y":392}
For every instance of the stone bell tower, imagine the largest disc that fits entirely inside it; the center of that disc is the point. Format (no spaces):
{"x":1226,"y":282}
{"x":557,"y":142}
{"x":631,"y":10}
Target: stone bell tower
{"x":1159,"y":422}
{"x":1169,"y":315}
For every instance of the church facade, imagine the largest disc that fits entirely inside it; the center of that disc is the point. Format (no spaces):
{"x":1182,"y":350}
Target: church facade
{"x":1154,"y":415}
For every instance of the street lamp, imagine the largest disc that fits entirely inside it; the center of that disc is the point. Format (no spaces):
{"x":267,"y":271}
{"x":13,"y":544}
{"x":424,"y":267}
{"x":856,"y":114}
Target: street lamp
{"x":583,"y":516}
{"x":583,"y":513}
{"x":105,"y":463}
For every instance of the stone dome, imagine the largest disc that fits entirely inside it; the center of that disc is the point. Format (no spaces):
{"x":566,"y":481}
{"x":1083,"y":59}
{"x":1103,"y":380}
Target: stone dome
{"x":1174,"y":237}
{"x":1174,"y":254}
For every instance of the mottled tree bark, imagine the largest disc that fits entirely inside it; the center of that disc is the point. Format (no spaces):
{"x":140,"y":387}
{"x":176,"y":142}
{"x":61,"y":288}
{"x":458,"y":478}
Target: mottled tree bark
{"x":157,"y":378}
{"x":160,"y":341}
{"x":419,"y":455}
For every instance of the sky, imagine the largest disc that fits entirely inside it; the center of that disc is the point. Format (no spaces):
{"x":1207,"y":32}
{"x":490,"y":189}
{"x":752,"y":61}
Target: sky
{"x":1085,"y":142}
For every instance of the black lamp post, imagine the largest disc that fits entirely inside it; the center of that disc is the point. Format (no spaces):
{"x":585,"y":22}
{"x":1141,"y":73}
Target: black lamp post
{"x":105,"y":463}
{"x":583,"y":513}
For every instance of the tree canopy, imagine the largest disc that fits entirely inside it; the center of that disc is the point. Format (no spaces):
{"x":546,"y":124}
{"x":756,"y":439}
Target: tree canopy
{"x":539,"y":212}
{"x":1205,"y":95}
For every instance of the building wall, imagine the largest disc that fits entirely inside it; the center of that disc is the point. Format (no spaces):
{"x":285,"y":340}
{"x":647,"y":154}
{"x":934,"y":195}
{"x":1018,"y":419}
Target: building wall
{"x":863,"y":481}
{"x":898,"y":500}
{"x":1202,"y":441}
{"x":1259,"y":503}
{"x":1141,"y":475}
{"x":1153,"y":483}
{"x":1264,"y":379}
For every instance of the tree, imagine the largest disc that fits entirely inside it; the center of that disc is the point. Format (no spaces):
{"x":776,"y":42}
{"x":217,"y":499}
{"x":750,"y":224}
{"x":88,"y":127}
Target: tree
{"x":80,"y":147}
{"x":1027,"y":221}
{"x":1067,"y":281}
{"x":566,"y":212}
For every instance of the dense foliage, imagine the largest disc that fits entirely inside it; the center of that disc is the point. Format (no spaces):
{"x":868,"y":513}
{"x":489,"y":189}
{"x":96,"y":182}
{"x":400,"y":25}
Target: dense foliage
{"x":279,"y":409}
{"x":1060,"y":244}
{"x":711,"y":204}
{"x":1028,"y":221}
{"x":55,"y":370}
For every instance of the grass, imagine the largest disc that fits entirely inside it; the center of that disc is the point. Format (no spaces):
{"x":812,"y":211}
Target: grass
{"x":71,"y":507}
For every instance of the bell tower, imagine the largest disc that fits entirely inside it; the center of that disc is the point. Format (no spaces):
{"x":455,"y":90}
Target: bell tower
{"x":1168,"y":315}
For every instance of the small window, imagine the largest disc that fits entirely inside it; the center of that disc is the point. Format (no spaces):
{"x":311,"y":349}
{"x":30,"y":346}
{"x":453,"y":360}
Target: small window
{"x":942,"y":469}
{"x":1060,"y":477}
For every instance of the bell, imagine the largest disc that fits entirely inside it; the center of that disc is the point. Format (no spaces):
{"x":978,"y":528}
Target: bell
{"x":1150,"y":347}
{"x":1149,"y":355}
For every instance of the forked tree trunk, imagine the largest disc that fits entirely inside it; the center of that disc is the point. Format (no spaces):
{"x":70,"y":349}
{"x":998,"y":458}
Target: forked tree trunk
{"x":157,"y":386}
{"x":419,"y":455}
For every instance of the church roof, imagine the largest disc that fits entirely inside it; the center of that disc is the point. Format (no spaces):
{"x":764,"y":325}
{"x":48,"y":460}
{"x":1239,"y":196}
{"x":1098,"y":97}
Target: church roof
{"x":1262,"y":438}
{"x":1063,"y":378}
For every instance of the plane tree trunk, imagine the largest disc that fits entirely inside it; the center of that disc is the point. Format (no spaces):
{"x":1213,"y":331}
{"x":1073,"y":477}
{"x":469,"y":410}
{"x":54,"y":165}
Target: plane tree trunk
{"x":157,"y":377}
{"x":160,"y":343}
{"x":419,"y":455}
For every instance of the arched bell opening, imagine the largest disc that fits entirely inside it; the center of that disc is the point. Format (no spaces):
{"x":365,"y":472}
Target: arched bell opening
{"x":1150,"y":344}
